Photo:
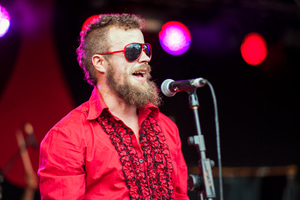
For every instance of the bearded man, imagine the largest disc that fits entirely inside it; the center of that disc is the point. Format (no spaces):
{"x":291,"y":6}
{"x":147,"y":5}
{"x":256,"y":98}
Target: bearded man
{"x":117,"y":145}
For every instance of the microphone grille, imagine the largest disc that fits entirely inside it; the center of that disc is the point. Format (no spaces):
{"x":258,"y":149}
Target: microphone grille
{"x":28,"y":128}
{"x":165,"y":88}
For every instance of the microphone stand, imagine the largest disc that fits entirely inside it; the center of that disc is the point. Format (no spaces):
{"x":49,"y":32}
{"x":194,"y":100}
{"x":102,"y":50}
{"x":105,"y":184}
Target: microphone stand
{"x":12,"y":161}
{"x":203,"y":183}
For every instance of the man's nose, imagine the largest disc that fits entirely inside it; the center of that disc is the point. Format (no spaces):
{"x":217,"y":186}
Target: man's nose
{"x":144,"y":57}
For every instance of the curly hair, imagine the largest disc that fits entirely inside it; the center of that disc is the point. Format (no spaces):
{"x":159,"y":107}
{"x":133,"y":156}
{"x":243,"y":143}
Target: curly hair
{"x":93,"y":39}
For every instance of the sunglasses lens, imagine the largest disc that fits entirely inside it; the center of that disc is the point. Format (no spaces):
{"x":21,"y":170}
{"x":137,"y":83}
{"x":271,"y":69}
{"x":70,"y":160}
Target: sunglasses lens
{"x":147,"y":48}
{"x":133,"y":51}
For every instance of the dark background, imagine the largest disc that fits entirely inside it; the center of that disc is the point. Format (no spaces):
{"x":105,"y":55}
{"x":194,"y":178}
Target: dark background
{"x":258,"y":105}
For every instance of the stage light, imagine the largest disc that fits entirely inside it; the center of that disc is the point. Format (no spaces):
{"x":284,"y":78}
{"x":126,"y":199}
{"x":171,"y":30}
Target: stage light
{"x":88,"y":21}
{"x":175,"y":38}
{"x":4,"y":21}
{"x":254,"y":49}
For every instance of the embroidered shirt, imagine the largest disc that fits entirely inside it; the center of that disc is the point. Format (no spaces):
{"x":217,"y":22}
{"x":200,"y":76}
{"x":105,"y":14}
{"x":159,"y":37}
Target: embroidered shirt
{"x":91,"y":154}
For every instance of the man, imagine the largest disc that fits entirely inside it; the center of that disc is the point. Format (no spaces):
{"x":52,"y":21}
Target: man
{"x":117,"y":145}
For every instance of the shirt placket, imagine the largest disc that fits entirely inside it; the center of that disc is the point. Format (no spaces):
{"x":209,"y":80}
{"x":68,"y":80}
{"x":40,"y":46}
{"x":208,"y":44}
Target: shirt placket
{"x":141,"y":160}
{"x":139,"y":152}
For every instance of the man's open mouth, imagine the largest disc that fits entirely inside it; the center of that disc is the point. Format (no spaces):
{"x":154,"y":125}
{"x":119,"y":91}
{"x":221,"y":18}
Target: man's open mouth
{"x":139,"y":73}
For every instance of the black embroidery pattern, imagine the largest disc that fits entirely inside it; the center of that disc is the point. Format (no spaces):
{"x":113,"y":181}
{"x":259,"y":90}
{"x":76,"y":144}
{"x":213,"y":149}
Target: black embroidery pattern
{"x":156,"y":182}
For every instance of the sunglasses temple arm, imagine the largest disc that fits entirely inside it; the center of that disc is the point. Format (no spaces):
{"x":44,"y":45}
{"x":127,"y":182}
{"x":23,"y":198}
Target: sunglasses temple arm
{"x":111,"y":52}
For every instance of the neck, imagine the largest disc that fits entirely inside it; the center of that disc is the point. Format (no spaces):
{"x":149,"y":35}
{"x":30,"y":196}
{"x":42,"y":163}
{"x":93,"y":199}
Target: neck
{"x":116,"y":105}
{"x":121,"y":109}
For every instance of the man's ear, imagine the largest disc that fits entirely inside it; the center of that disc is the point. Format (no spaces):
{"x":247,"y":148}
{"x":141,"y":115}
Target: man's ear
{"x":98,"y":61}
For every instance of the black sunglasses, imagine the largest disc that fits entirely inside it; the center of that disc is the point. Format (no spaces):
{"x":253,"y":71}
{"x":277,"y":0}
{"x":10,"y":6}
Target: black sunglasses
{"x":133,"y":51}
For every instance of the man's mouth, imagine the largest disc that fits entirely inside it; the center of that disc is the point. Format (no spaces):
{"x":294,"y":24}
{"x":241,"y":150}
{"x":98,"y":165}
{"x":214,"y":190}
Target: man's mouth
{"x":140,"y":74}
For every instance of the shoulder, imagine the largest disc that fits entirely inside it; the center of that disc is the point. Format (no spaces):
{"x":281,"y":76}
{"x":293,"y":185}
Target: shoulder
{"x":168,"y":127}
{"x":74,"y":118}
{"x":71,"y":128}
{"x":166,"y":121}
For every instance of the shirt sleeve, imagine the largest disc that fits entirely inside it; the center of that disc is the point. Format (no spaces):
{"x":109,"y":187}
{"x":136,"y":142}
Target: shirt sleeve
{"x":61,"y":165}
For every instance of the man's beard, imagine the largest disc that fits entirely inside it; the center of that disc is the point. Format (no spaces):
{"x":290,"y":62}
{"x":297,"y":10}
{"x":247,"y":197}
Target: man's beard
{"x":134,"y":94}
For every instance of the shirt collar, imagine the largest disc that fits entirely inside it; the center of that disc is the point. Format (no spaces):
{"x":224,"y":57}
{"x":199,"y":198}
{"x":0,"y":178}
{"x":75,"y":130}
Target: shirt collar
{"x":97,"y":105}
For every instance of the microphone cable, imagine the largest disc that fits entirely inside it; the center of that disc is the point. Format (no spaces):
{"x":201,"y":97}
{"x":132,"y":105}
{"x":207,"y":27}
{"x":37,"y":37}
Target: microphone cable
{"x":217,"y":137}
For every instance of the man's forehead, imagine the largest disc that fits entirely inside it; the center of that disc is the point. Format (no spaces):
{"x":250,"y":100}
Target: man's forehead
{"x":121,"y":37}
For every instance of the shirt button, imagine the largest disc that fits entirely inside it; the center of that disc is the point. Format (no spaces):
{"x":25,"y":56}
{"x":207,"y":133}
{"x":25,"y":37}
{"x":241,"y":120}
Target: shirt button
{"x":141,"y":160}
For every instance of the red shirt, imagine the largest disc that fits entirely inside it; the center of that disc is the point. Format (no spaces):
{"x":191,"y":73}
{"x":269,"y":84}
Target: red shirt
{"x":91,"y":154}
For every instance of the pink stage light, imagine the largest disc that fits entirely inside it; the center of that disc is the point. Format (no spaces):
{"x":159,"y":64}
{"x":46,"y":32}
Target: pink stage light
{"x":175,"y":38}
{"x":4,"y":21}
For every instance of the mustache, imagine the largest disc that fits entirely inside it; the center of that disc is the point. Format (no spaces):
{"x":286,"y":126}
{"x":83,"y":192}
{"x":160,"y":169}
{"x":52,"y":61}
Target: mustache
{"x":142,"y":67}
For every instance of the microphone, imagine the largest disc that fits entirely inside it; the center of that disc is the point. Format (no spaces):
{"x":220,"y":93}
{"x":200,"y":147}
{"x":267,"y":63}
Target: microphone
{"x":170,"y":87}
{"x":31,"y":138}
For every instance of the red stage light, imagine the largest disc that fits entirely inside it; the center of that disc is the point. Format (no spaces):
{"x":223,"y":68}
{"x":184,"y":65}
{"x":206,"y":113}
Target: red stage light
{"x":88,"y":21}
{"x":254,"y":49}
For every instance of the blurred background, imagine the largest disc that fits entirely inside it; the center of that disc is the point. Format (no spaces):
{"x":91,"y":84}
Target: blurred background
{"x":40,"y":82}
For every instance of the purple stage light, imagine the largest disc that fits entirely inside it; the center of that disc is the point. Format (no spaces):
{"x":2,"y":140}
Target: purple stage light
{"x":4,"y":21}
{"x":175,"y":38}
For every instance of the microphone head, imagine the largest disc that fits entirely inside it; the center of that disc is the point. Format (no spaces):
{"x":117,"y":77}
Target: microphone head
{"x":165,"y":88}
{"x":31,"y":138}
{"x":28,"y":128}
